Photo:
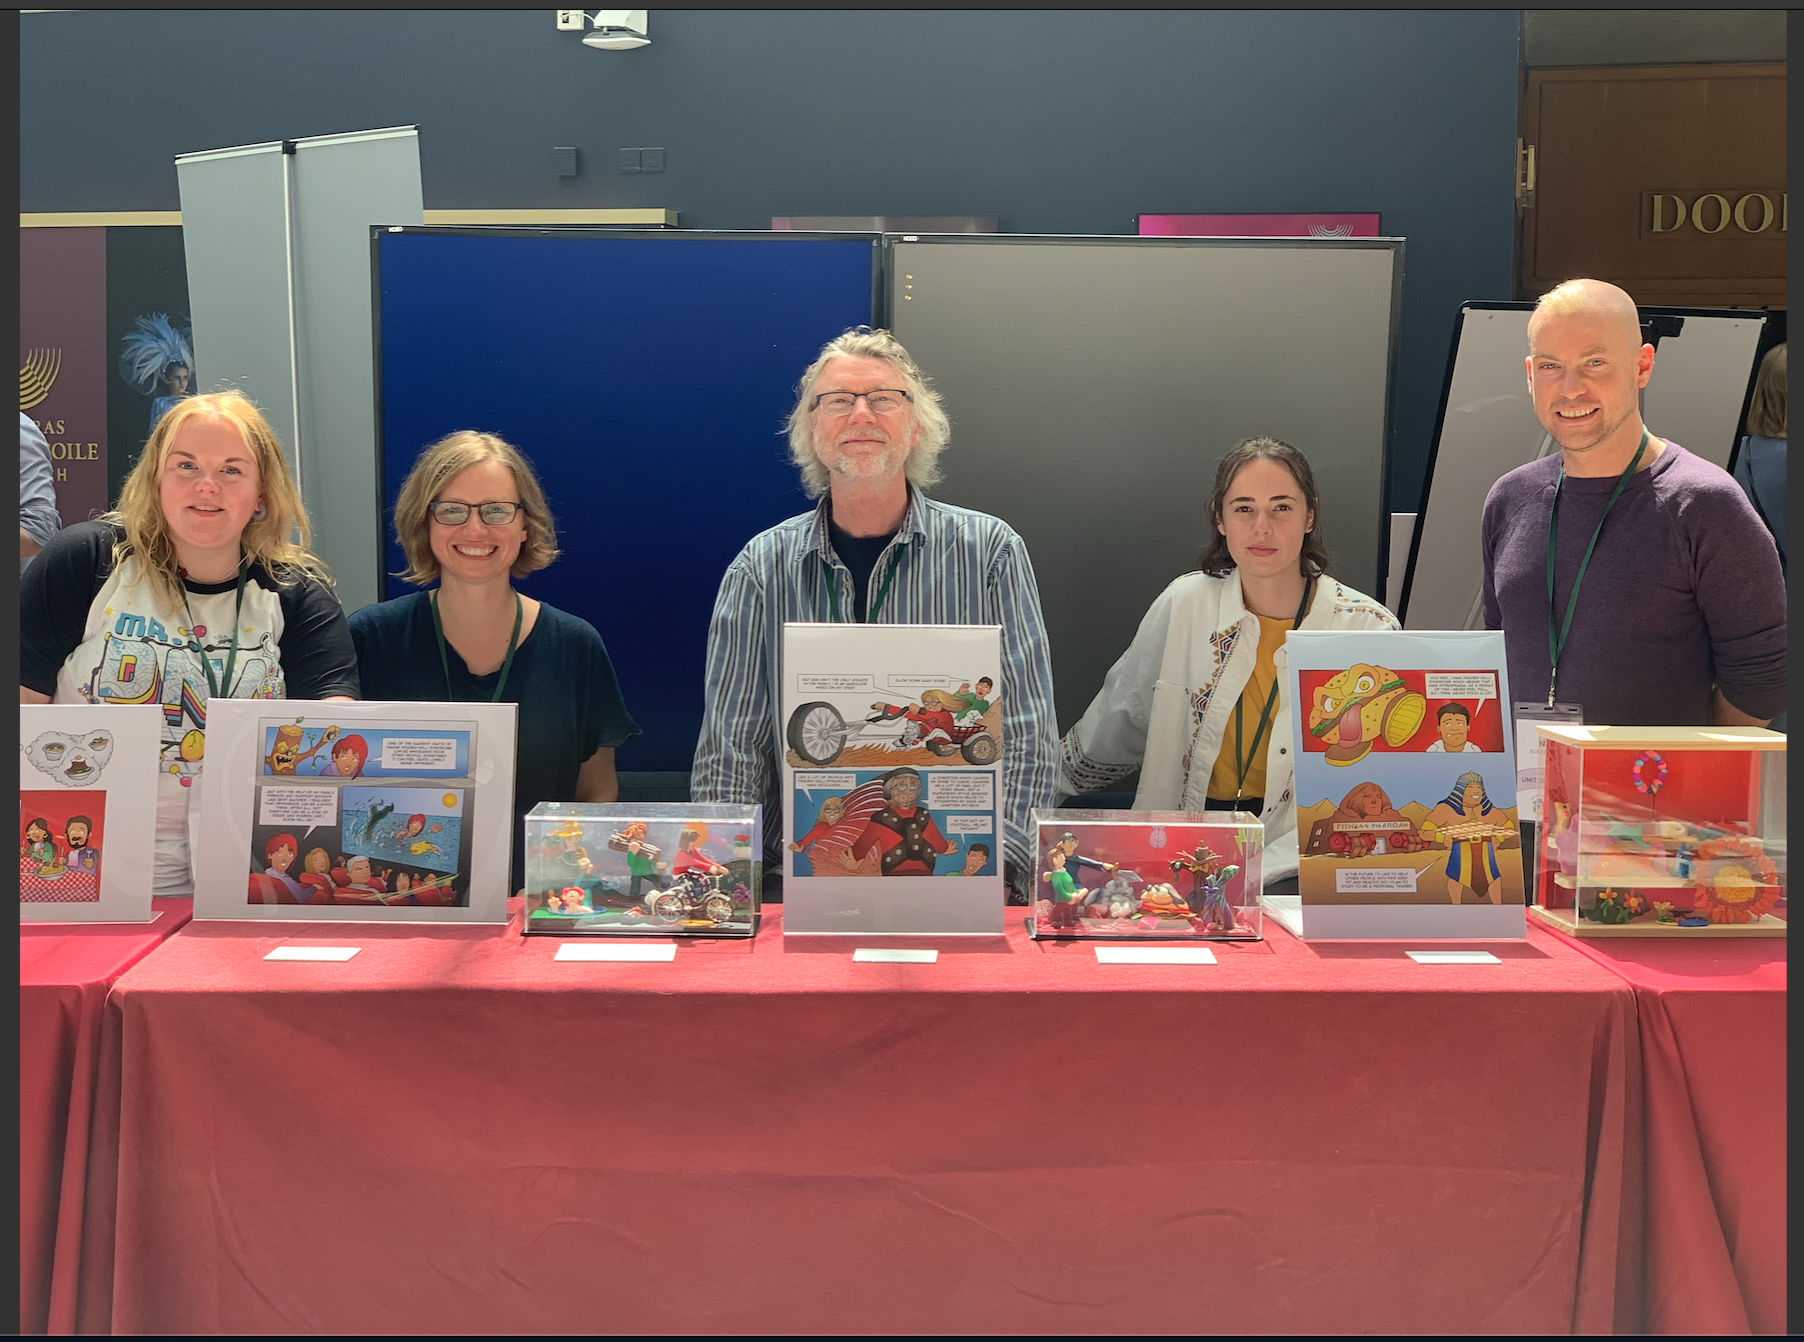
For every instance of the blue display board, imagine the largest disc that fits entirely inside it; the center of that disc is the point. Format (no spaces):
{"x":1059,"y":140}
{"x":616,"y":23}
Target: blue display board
{"x":647,"y":378}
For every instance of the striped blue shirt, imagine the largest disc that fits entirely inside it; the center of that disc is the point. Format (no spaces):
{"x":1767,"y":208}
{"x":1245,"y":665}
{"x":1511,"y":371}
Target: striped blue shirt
{"x":956,"y":567}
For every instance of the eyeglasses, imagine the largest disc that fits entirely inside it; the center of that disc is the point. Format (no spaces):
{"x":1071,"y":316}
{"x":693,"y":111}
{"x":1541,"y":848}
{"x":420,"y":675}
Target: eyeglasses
{"x":493,"y":513}
{"x":882,"y":401}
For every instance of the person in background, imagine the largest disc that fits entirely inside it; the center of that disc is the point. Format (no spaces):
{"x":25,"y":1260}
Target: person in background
{"x":38,"y":519}
{"x":472,"y":518}
{"x":866,"y":432}
{"x":1760,"y":461}
{"x":1198,"y":702}
{"x":198,"y":586}
{"x":1667,"y":602}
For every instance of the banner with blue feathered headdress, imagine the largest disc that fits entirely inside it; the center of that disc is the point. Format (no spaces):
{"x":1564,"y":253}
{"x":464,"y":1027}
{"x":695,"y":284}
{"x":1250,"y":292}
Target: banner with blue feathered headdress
{"x":156,"y":359}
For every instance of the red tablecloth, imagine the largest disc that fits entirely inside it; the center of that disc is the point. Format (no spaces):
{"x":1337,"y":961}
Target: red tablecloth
{"x":64,"y":972}
{"x":1712,"y":1019}
{"x":454,"y":1133}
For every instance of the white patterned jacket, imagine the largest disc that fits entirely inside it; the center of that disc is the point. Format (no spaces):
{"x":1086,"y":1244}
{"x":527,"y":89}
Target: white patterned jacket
{"x":1163,"y":708}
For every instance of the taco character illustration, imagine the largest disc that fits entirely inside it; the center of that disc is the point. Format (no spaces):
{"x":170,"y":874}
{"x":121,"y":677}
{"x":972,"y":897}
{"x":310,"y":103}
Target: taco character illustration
{"x":1352,"y":709}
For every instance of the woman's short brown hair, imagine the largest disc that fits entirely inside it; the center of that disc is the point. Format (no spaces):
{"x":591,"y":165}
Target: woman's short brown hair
{"x":437,"y":467}
{"x":1216,"y":558}
{"x":1766,"y":411}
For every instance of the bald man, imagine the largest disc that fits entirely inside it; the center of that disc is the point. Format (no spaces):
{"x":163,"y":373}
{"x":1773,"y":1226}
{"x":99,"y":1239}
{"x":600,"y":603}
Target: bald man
{"x":1678,"y":618}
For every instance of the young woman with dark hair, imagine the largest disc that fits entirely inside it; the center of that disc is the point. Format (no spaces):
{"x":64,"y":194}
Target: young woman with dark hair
{"x":1197,"y":703}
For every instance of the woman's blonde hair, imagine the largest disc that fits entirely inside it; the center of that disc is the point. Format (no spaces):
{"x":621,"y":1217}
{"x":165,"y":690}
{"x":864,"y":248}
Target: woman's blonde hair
{"x":862,"y":342}
{"x":277,"y":537}
{"x":437,"y":467}
{"x":1766,"y":412}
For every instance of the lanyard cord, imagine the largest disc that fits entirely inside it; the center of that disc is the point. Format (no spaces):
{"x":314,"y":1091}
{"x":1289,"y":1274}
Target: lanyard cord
{"x":218,"y":688}
{"x":1243,"y":761}
{"x":438,"y":631}
{"x":1556,"y":642}
{"x":870,"y":615}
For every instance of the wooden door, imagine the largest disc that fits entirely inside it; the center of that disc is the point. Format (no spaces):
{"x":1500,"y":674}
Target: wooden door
{"x":1667,"y":180}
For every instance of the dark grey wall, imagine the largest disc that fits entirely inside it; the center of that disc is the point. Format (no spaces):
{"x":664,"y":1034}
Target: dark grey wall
{"x":1058,"y":122}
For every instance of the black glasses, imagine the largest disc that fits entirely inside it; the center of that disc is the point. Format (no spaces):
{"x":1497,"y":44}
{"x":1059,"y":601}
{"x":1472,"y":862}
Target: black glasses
{"x":883,"y":401}
{"x":494,"y":513}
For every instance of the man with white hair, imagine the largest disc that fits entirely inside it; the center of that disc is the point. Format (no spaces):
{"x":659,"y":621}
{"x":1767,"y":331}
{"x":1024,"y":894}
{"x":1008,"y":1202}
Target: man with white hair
{"x":1629,"y":577}
{"x":866,"y":432}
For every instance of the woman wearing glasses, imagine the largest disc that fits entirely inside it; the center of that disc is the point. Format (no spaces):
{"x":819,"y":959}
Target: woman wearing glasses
{"x":472,"y":518}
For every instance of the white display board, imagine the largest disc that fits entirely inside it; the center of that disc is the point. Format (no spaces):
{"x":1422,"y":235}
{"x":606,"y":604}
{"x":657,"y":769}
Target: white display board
{"x":1407,"y":822}
{"x":356,"y":812}
{"x":892,"y":778}
{"x":87,"y":812}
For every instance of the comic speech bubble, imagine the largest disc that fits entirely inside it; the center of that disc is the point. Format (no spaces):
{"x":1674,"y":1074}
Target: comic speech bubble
{"x":835,"y":684}
{"x":968,"y":824}
{"x":1375,"y":880}
{"x":298,"y":807}
{"x":401,"y":753}
{"x":960,"y":791}
{"x":811,"y":783}
{"x":912,"y":682}
{"x":1461,"y":684}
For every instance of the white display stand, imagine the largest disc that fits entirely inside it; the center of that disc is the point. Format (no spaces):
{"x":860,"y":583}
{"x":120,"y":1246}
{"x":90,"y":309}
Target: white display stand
{"x":870,"y":709}
{"x":91,"y":768}
{"x":356,"y":812}
{"x":1407,"y":823}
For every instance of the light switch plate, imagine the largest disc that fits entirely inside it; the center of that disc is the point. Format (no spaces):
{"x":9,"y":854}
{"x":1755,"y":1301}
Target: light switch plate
{"x":651,"y":160}
{"x":563,"y":160}
{"x":629,"y":160}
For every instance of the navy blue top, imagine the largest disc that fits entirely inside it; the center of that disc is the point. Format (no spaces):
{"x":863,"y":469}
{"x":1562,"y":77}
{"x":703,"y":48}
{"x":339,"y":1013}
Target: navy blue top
{"x":561,"y":677}
{"x":859,"y":554}
{"x":1760,"y":471}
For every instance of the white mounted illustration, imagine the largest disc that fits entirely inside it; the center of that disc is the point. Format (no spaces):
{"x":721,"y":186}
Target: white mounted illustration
{"x":892,"y":771}
{"x":356,"y":812}
{"x":1406,"y":787}
{"x":87,"y":812}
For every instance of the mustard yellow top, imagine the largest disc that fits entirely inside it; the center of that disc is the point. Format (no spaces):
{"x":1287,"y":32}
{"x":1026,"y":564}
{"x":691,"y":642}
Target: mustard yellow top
{"x":1252,"y":704}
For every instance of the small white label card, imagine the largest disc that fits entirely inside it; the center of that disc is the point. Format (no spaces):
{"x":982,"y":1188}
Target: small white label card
{"x":1453,"y":957}
{"x":573,"y":950}
{"x":337,"y":954}
{"x":1154,"y":955}
{"x":868,"y":955}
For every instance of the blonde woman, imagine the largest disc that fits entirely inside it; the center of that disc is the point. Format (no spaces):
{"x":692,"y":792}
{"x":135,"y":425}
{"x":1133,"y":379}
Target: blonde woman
{"x":200,"y":585}
{"x":472,"y":518}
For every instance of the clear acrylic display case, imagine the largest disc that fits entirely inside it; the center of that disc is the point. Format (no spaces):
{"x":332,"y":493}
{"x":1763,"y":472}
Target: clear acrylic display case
{"x":1147,"y":875}
{"x":1663,"y":831}
{"x":648,"y":869}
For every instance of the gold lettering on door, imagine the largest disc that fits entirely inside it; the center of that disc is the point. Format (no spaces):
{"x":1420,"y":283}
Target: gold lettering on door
{"x":1722,"y":212}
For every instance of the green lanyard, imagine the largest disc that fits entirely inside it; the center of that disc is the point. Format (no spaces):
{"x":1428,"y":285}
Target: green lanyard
{"x":438,"y":632}
{"x":217,"y":688}
{"x":870,"y":615}
{"x":1556,"y":642}
{"x":1243,"y":760}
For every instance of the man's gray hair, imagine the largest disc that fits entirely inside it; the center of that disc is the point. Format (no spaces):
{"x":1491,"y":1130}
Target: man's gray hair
{"x":862,"y":342}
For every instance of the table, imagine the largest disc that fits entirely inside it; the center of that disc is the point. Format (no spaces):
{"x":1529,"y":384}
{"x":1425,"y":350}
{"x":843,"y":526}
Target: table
{"x":451,"y":1132}
{"x":1712,"y":1021}
{"x":64,"y":972}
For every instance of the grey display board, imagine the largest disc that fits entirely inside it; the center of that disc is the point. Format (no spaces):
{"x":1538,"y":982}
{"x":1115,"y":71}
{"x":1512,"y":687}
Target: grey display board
{"x":278,"y":245}
{"x":1704,"y":365}
{"x":1095,"y":383}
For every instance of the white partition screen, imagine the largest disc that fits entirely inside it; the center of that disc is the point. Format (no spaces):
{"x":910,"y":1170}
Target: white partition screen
{"x":1095,"y":383}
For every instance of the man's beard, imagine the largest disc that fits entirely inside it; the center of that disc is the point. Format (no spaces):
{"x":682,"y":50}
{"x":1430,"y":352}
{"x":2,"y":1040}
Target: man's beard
{"x":865,"y":464}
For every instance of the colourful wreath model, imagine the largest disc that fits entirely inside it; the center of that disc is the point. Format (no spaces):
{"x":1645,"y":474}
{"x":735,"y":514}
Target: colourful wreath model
{"x":1647,"y":784}
{"x":1736,"y":881}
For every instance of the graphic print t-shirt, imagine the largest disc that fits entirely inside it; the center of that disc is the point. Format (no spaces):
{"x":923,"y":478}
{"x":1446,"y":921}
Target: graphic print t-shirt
{"x":91,"y":634}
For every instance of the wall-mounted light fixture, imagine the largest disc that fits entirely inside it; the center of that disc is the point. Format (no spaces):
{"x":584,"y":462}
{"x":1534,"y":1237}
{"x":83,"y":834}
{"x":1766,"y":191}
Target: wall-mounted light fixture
{"x":615,"y":29}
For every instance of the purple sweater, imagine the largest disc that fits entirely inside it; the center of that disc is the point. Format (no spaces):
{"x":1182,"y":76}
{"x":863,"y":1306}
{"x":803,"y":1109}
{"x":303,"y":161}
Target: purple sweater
{"x":1684,"y":591}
